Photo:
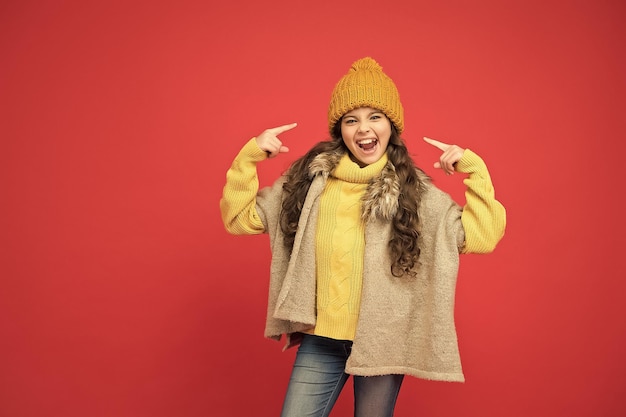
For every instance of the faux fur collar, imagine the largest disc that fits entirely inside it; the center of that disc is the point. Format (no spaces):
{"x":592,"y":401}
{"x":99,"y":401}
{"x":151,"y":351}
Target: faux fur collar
{"x":381,"y":197}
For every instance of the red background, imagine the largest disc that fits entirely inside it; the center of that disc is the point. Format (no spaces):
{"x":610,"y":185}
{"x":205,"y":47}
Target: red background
{"x":122,"y":295}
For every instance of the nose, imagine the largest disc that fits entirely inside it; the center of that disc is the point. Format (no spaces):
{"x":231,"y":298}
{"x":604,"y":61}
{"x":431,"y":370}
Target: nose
{"x":363,"y":127}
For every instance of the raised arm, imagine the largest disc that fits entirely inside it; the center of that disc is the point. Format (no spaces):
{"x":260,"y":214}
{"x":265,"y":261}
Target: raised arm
{"x":238,"y":202}
{"x":483,"y":217}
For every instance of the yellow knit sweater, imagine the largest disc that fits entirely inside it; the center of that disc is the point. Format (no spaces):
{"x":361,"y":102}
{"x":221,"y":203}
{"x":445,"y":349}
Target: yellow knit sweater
{"x":340,"y":241}
{"x":339,"y":248}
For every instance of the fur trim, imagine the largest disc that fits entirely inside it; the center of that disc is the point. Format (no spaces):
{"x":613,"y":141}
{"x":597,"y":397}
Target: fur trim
{"x":324,"y":163}
{"x":381,"y":197}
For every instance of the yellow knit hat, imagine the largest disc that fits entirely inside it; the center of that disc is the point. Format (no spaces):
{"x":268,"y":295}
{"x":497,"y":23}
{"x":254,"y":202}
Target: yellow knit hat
{"x":366,"y":85}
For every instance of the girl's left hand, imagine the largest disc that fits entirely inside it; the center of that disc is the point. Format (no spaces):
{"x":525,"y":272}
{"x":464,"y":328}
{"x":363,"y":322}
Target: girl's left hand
{"x":450,"y":156}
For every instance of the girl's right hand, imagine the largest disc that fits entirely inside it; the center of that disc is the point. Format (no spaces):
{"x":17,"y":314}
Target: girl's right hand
{"x":269,"y":141}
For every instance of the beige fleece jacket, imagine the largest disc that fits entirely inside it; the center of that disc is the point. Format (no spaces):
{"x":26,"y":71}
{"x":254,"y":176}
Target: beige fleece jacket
{"x":405,"y":325}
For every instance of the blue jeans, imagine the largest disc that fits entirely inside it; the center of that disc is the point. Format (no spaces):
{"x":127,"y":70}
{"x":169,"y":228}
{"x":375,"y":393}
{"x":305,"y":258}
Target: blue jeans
{"x":318,"y":377}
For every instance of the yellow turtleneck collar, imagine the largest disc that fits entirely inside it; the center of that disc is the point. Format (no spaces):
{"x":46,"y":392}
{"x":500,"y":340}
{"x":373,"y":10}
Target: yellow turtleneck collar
{"x":350,"y":171}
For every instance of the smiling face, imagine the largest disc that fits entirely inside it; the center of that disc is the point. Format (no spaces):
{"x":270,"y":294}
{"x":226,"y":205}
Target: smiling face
{"x":366,"y":132}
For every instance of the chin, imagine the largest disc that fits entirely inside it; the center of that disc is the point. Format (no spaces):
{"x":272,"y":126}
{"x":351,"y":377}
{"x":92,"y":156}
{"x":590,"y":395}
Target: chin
{"x":370,"y":159}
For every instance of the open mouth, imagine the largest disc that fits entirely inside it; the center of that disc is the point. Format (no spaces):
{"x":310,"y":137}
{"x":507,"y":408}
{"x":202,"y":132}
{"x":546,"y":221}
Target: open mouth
{"x":367,"y":144}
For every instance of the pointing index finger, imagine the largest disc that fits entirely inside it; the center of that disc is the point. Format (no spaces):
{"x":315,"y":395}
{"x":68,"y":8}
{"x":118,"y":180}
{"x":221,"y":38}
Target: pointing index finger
{"x":437,"y":144}
{"x":281,"y":129}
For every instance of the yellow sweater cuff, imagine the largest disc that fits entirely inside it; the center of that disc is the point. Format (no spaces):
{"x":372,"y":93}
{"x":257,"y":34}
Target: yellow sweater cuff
{"x":483,"y":217}
{"x":238,"y":203}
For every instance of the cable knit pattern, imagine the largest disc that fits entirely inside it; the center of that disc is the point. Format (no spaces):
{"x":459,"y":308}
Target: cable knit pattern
{"x":340,"y":245}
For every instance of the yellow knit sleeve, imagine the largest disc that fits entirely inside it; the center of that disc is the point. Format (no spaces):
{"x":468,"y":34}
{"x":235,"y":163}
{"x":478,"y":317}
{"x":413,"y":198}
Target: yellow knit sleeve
{"x":238,"y":202}
{"x":483,"y":217}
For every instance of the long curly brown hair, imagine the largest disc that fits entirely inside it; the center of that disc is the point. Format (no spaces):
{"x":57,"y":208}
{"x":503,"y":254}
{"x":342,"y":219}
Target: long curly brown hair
{"x":404,"y":247}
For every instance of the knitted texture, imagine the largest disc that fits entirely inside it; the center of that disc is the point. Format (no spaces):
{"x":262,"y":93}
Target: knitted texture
{"x":340,"y":247}
{"x":405,"y":325}
{"x":366,"y":85}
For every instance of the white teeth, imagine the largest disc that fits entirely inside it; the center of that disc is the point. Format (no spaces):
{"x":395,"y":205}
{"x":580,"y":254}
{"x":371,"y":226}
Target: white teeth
{"x":365,"y":142}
